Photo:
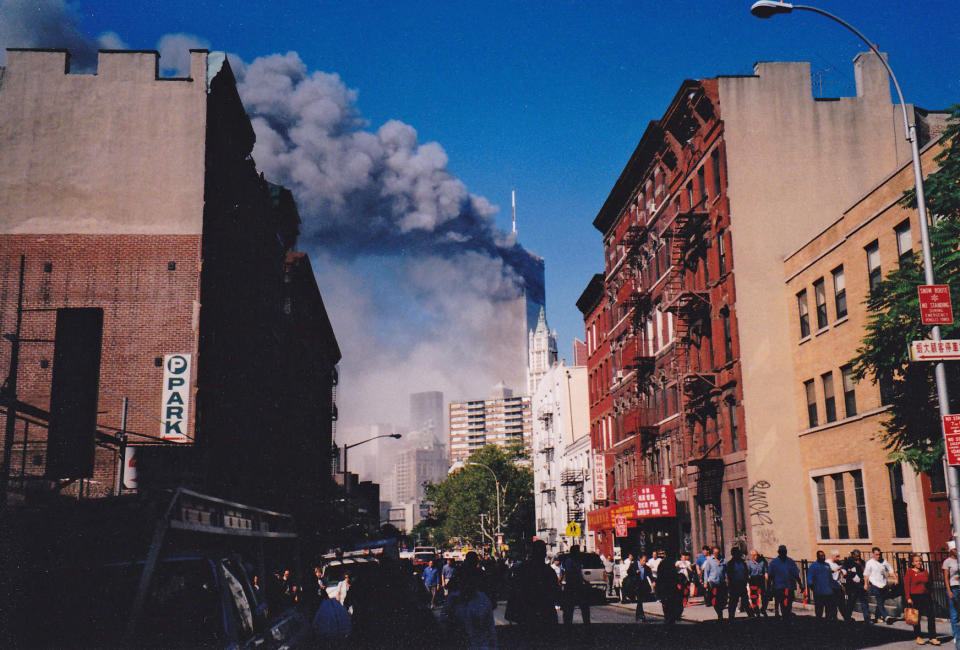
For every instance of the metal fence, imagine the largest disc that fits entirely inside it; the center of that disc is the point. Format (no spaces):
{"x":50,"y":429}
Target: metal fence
{"x":932,"y":563}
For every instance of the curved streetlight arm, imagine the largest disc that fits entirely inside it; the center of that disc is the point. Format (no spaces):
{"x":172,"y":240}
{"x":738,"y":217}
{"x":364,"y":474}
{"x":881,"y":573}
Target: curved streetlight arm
{"x":346,"y":487}
{"x":765,"y":9}
{"x":496,"y":482}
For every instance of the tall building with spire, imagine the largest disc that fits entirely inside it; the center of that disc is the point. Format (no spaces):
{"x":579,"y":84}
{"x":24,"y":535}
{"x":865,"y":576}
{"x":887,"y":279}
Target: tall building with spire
{"x":542,"y":352}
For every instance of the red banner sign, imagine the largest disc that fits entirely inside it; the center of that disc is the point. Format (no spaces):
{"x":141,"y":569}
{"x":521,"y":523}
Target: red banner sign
{"x":935,"y":307}
{"x":635,"y":504}
{"x":951,"y":437}
{"x":600,"y":476}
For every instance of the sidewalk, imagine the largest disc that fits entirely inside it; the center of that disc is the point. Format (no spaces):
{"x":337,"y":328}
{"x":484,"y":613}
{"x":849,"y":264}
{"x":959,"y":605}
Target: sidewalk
{"x":697,"y":612}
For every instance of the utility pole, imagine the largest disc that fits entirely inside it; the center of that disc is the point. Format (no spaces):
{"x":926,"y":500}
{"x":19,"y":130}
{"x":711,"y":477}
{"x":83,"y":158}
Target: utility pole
{"x":122,"y":436}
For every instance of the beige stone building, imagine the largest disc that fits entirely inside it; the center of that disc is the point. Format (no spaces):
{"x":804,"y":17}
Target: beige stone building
{"x":853,"y":495}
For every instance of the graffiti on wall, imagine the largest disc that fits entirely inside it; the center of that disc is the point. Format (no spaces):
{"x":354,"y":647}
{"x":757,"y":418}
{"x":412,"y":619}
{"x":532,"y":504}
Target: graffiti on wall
{"x":759,"y":506}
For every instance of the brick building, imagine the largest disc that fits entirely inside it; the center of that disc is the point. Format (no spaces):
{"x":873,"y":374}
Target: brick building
{"x":855,"y":496}
{"x":136,"y":194}
{"x":739,"y":171}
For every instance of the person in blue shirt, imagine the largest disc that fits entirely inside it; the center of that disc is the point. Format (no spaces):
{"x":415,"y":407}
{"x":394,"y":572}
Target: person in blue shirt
{"x":431,"y":579}
{"x":701,"y":558}
{"x":714,"y":583}
{"x":820,"y":582}
{"x":736,"y":573}
{"x":784,"y":575}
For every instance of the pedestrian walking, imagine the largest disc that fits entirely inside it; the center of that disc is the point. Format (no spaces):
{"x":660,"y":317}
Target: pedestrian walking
{"x":607,"y":573}
{"x":916,"y":588}
{"x":576,"y":592}
{"x":446,"y":575}
{"x":714,"y":584}
{"x":643,"y":587}
{"x":784,"y":576}
{"x":701,"y":558}
{"x":670,"y":589}
{"x":618,"y":579}
{"x":855,"y":586}
{"x":687,"y":571}
{"x":757,"y":582}
{"x":471,"y":612}
{"x":653,"y":564}
{"x":820,"y":583}
{"x":835,"y":562}
{"x":736,"y":573}
{"x":880,"y":575}
{"x":534,"y":593}
{"x":431,"y":580}
{"x":951,"y":578}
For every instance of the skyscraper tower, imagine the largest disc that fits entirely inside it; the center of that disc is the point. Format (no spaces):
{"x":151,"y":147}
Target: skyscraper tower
{"x":542,"y":352}
{"x":426,"y":418}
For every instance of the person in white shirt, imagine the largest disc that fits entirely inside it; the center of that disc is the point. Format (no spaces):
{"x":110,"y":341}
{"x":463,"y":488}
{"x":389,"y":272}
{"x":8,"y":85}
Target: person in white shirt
{"x":878,"y":573}
{"x":653,"y":564}
{"x":951,"y":576}
{"x":607,"y":572}
{"x":343,"y":588}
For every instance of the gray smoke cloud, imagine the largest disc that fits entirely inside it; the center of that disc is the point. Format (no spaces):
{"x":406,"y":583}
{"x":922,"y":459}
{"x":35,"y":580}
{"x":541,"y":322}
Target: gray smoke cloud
{"x":424,"y":290}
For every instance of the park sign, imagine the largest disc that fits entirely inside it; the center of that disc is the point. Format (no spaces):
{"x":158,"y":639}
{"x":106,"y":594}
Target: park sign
{"x":176,"y":398}
{"x":935,"y":307}
{"x":928,"y":350}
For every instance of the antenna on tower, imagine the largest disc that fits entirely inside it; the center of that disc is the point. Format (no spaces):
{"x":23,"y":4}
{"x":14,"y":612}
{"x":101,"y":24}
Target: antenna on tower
{"x":513,"y":203}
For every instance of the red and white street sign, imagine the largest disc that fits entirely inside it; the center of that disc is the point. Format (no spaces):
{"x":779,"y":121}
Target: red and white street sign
{"x":951,"y":438}
{"x":935,"y":307}
{"x":620,"y":526}
{"x":948,"y":350}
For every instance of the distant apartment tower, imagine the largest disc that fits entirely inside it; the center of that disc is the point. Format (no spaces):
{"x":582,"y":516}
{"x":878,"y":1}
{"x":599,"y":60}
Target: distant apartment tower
{"x":426,"y":417}
{"x":542,"y":352}
{"x":414,"y":469}
{"x":502,"y":419}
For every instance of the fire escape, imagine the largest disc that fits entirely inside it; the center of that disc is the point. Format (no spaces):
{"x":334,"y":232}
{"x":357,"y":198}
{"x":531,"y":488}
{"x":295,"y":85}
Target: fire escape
{"x":572,"y":481}
{"x":691,"y":307}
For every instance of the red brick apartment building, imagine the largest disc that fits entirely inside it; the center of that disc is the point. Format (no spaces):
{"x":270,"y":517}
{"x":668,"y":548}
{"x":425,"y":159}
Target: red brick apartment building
{"x":136,"y":195}
{"x":690,"y":358}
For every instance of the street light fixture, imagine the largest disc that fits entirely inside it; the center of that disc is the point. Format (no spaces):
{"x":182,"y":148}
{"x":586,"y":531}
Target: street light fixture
{"x":768,"y":8}
{"x":496,"y":482}
{"x":346,"y":486}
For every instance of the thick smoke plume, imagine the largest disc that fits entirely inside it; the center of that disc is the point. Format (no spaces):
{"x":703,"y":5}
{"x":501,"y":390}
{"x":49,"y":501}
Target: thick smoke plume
{"x":418,"y":279}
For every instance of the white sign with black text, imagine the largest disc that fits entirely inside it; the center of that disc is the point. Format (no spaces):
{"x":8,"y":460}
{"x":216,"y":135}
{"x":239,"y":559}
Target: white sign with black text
{"x":176,"y":397}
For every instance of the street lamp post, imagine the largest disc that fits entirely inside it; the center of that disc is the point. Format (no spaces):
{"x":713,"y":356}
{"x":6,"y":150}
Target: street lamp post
{"x":346,"y":486}
{"x":768,"y":8}
{"x":496,"y":482}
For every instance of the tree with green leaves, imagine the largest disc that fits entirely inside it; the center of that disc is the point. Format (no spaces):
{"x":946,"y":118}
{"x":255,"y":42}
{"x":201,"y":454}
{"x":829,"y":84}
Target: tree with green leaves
{"x":912,"y":432}
{"x":460,"y":499}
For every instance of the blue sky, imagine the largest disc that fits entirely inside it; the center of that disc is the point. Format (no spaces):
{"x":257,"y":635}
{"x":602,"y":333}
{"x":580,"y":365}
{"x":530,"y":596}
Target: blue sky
{"x":548,"y":98}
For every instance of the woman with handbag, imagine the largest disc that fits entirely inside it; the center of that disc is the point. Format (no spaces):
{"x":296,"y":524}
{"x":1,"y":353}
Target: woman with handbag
{"x":916,"y":588}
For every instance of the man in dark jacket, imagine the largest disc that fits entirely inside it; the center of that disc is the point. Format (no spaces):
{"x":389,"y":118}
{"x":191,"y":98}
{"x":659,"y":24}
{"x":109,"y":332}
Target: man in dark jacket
{"x":820,"y":583}
{"x":855,"y":586}
{"x":535,"y":593}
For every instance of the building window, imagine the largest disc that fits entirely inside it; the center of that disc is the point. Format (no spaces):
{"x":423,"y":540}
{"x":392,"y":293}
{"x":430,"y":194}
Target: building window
{"x":820,"y":295}
{"x":715,"y":159}
{"x":811,"y":403}
{"x":901,"y":524}
{"x":938,"y":480}
{"x":690,"y":201}
{"x":843,"y":531}
{"x":804,"y":314}
{"x":702,"y":181}
{"x":873,"y":265}
{"x":727,"y":337}
{"x":849,"y":391}
{"x":721,"y":253}
{"x":904,"y":242}
{"x":836,"y":524}
{"x":822,"y":507}
{"x":732,"y":418}
{"x":859,"y":495}
{"x":839,"y":292}
{"x":828,"y":398}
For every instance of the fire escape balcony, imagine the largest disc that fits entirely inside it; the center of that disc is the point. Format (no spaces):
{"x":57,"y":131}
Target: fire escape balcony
{"x":699,"y":388}
{"x":575,"y":513}
{"x":687,"y":304}
{"x":690,"y":226}
{"x":546,"y":487}
{"x":571,"y":477}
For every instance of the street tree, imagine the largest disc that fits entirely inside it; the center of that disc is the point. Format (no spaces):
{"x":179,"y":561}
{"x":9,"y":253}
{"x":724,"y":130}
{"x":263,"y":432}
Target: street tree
{"x":463,"y":496}
{"x":911,"y":432}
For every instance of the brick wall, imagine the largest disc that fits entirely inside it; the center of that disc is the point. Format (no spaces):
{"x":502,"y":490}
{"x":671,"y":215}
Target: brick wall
{"x":149,"y":311}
